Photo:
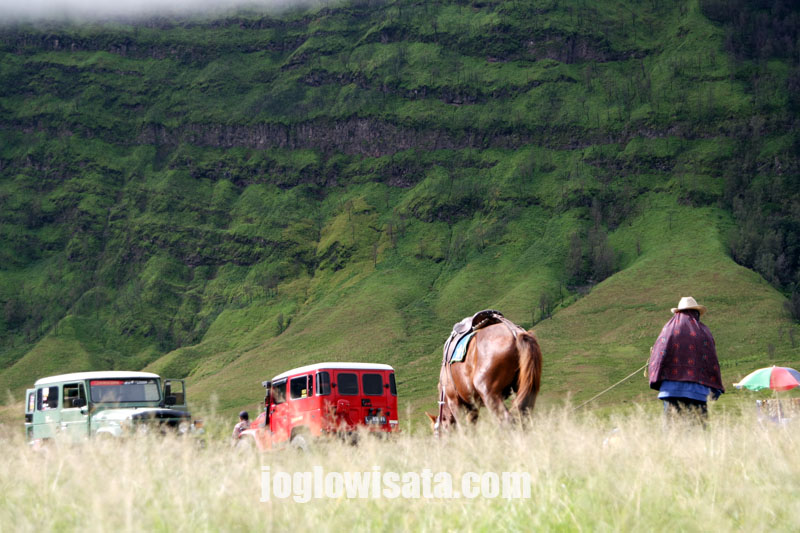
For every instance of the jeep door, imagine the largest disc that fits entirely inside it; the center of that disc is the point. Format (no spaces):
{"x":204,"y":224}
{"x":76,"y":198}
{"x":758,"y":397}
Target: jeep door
{"x":376,"y":407}
{"x":74,"y":411}
{"x":326,"y":400}
{"x":30,"y":407}
{"x":348,"y":401}
{"x":175,"y":394}
{"x":303,"y":405}
{"x":47,"y":416}
{"x":279,"y":412}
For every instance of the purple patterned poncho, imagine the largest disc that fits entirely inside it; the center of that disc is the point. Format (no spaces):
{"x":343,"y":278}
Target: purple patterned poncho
{"x":685,"y":351}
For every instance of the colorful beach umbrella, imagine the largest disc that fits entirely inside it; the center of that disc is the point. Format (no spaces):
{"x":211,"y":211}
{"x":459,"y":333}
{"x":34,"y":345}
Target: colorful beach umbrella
{"x":776,"y":378}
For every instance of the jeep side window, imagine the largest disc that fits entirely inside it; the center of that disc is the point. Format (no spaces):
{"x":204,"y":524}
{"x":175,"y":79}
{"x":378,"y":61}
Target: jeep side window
{"x":47,"y":398}
{"x":267,"y":392}
{"x":392,"y":385}
{"x":347,"y":384}
{"x":299,"y":388}
{"x":372,"y":384}
{"x":73,"y":391}
{"x":323,"y":383}
{"x":279,"y":392}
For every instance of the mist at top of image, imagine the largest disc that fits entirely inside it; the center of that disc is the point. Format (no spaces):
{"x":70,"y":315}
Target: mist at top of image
{"x":13,"y":11}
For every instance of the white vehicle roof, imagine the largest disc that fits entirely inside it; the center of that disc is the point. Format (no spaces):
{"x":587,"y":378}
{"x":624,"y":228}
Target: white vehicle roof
{"x":109,"y":374}
{"x":333,"y":366}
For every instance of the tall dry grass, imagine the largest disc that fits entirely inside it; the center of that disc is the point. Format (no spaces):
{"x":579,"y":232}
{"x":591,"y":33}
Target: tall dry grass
{"x":619,"y":473}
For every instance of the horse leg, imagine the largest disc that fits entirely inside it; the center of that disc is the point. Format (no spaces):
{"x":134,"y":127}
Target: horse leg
{"x":524,"y":408}
{"x":461,"y":412}
{"x":461,"y":397}
{"x":491,"y":383}
{"x":472,"y":414}
{"x":494,"y":402}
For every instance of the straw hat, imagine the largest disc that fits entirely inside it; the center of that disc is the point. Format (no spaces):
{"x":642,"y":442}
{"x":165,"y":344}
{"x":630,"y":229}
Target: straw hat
{"x":687,"y":302}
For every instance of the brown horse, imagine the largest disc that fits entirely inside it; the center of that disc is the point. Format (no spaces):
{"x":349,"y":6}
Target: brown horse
{"x":501,"y":358}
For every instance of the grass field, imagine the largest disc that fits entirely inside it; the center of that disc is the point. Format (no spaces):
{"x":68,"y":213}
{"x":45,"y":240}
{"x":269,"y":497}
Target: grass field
{"x":619,"y":472}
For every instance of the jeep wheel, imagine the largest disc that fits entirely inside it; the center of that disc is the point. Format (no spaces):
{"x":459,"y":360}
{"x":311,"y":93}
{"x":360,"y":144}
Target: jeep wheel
{"x":245,"y":442}
{"x":300,"y":442}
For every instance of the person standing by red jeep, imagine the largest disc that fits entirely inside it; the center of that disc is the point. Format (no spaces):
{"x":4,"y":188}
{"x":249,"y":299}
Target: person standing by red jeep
{"x":244,"y":423}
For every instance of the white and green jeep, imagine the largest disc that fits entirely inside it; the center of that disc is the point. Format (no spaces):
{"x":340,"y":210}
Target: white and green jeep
{"x":75,"y":406}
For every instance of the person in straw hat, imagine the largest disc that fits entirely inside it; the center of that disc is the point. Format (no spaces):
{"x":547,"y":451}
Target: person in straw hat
{"x":683,"y":364}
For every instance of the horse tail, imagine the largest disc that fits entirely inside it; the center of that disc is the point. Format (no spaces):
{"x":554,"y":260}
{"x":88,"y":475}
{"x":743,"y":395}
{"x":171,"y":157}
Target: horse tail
{"x":530,"y":371}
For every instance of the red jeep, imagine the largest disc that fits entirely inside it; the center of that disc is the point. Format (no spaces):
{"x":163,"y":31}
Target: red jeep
{"x":325,"y":398}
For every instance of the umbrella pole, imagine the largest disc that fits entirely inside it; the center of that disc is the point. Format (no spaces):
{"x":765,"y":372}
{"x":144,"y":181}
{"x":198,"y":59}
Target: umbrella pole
{"x":780,"y":407}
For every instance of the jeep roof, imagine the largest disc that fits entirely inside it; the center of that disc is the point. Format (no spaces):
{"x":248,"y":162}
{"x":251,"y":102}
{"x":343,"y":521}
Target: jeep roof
{"x":79,"y":376}
{"x":333,"y":366}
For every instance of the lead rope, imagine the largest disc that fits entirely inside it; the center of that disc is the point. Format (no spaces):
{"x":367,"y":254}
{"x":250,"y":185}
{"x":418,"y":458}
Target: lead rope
{"x":612,"y":386}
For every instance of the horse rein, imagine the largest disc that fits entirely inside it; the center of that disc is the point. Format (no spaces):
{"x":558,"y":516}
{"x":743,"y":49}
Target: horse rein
{"x":438,"y":422}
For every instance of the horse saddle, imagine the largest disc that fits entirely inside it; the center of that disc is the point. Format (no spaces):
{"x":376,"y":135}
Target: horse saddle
{"x":466,"y":327}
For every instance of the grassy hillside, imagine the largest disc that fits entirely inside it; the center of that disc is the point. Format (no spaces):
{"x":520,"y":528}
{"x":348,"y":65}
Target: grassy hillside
{"x":222,"y":199}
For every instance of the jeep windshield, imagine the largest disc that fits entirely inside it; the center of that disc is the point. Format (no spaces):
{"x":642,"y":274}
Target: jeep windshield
{"x":124,"y":390}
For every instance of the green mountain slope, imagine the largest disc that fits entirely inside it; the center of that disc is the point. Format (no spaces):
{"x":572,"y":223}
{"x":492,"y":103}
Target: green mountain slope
{"x":223,"y":199}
